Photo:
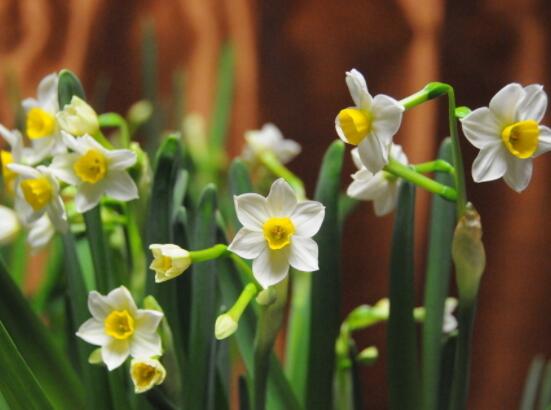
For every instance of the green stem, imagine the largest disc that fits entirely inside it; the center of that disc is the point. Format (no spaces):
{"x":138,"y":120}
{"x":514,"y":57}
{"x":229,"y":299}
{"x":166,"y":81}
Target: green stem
{"x":243,"y":267}
{"x":243,"y":301}
{"x":271,"y":162}
{"x":434,"y":166}
{"x":99,"y":137}
{"x":112,"y":119}
{"x":208,"y":254}
{"x":407,"y":173}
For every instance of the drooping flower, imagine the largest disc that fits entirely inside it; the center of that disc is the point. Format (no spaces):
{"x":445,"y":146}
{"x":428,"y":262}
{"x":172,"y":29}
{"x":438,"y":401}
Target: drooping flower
{"x":146,"y":374}
{"x":169,"y":261}
{"x":95,"y":171}
{"x":120,"y":328}
{"x":277,"y":232}
{"x":382,"y":188}
{"x":40,"y":123}
{"x":9,"y":225}
{"x":78,"y":118}
{"x":509,"y":135}
{"x":15,"y":155}
{"x":269,"y":139}
{"x":37,"y":193}
{"x":370,"y":124}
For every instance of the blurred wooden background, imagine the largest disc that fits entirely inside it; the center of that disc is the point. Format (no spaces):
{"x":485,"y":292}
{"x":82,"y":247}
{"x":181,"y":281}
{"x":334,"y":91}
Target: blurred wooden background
{"x":291,"y":58}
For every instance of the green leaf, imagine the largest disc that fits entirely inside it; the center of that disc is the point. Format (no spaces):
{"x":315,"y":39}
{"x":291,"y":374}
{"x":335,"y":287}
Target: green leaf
{"x":439,"y":263}
{"x":240,"y":183}
{"x":105,"y":280}
{"x":204,"y":304}
{"x":51,"y":277}
{"x":532,"y":383}
{"x":48,"y":364}
{"x":325,"y":286}
{"x":545,"y":391}
{"x":223,"y":103}
{"x":403,"y":375}
{"x":68,"y":85}
{"x":19,"y":386}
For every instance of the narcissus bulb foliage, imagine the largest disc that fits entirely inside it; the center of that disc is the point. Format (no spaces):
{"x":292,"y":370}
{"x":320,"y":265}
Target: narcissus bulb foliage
{"x":37,"y":194}
{"x":277,"y":232}
{"x":78,"y":118}
{"x":9,"y":225}
{"x":370,"y":124}
{"x":146,"y":374}
{"x":95,"y":171}
{"x":509,"y":135}
{"x":169,"y":261}
{"x":382,"y":187}
{"x":120,"y":328}
{"x":269,"y":139}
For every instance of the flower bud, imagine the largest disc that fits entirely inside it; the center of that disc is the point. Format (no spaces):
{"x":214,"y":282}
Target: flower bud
{"x":225,"y":326}
{"x":9,"y":225}
{"x":169,"y":261}
{"x":78,"y":118}
{"x":146,"y":374}
{"x":368,"y":356}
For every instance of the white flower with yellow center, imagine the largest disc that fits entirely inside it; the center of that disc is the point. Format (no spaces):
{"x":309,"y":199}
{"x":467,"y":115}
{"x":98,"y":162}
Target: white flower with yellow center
{"x":169,"y":261}
{"x":277,"y":232}
{"x":509,"y":135}
{"x":37,"y":193}
{"x":95,"y":171}
{"x":40,"y":120}
{"x":120,"y":328}
{"x":146,"y":374}
{"x":269,"y":139}
{"x":14,"y":156}
{"x":78,"y":118}
{"x":9,"y":225}
{"x":370,"y":124}
{"x":382,"y":187}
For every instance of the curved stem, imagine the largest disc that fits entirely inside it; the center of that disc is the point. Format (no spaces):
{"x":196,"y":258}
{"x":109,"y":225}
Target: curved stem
{"x":271,"y":162}
{"x":432,"y":166}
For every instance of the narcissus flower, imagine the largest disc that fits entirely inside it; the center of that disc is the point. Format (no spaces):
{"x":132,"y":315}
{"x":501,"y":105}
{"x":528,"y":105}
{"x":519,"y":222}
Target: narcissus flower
{"x":382,"y":187}
{"x":40,"y":123}
{"x":146,"y":374}
{"x":120,"y":328}
{"x":169,"y":261}
{"x":277,"y":232}
{"x":269,"y":139}
{"x":509,"y":135}
{"x":370,"y":124}
{"x":95,"y":171}
{"x":15,"y":141}
{"x":78,"y":118}
{"x":9,"y":225}
{"x":40,"y":232}
{"x":37,"y":193}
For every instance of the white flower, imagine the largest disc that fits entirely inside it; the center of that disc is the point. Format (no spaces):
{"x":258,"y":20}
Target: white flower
{"x":15,"y":141}
{"x":37,"y":193}
{"x":95,"y":171}
{"x":370,"y":124}
{"x":169,"y":261}
{"x":9,"y":225}
{"x":120,"y":328}
{"x":450,"y":322}
{"x":382,"y":188}
{"x":41,"y":124}
{"x":78,"y":118}
{"x":269,"y":139}
{"x":508,"y":135}
{"x":40,"y":232}
{"x":146,"y":374}
{"x":277,"y":232}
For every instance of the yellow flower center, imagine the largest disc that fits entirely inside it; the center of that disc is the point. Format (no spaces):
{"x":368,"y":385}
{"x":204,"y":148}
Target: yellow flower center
{"x":119,"y":324}
{"x":521,"y":138}
{"x":37,"y":192}
{"x":355,"y":124}
{"x":278,"y":232}
{"x":143,"y":374}
{"x":40,"y":123}
{"x":7,"y":174}
{"x":91,"y":167}
{"x":163,"y":263}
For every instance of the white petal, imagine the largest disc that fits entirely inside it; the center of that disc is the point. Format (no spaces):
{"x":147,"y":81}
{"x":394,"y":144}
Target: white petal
{"x":9,"y":225}
{"x":358,"y":89}
{"x":287,"y":150}
{"x":386,"y":202}
{"x":99,"y":305}
{"x":24,"y":170}
{"x":281,"y":199}
{"x":505,"y":103}
{"x":145,"y":344}
{"x":534,"y":103}
{"x":71,"y":142}
{"x":356,"y":158}
{"x":271,"y":266}
{"x":121,"y":299}
{"x":119,"y":185}
{"x":482,"y":127}
{"x":387,"y":117}
{"x":307,"y":218}
{"x":304,"y":254}
{"x":47,"y":93}
{"x":148,"y":320}
{"x":373,"y":153}
{"x":544,"y":143}
{"x":93,"y":331}
{"x":58,"y":216}
{"x":115,"y":353}
{"x":88,"y":196}
{"x":519,"y":173}
{"x":62,"y":168}
{"x":366,"y":186}
{"x":490,"y":163}
{"x":251,"y":210}
{"x":397,"y":153}
{"x":40,"y":233}
{"x":121,"y":159}
{"x":248,"y":244}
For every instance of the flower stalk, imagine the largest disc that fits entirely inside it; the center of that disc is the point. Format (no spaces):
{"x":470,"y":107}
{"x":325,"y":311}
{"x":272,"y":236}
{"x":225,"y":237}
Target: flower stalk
{"x":270,"y":161}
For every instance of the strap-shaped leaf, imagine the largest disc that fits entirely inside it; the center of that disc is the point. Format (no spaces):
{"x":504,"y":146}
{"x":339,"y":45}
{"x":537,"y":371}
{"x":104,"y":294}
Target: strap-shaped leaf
{"x":68,"y":85}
